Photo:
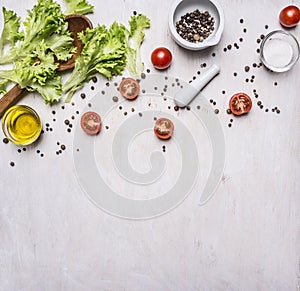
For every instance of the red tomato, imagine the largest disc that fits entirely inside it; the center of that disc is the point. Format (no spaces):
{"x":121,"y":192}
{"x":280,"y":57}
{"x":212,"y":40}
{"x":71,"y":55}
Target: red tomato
{"x":129,"y":88}
{"x":289,"y":16}
{"x":91,"y":123}
{"x":161,"y":58}
{"x":240,"y":103}
{"x":163,"y":128}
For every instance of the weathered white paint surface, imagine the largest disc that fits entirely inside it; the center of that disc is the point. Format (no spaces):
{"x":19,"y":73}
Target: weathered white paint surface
{"x":246,"y":238}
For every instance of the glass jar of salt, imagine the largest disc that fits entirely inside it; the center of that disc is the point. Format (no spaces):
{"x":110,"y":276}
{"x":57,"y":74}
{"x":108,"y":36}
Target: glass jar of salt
{"x":279,"y":51}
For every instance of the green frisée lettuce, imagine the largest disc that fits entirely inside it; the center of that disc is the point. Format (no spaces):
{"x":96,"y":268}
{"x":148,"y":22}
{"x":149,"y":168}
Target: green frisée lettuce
{"x":10,"y":33}
{"x":79,"y":7}
{"x":44,"y":22}
{"x":104,"y":52}
{"x":34,"y":52}
{"x":134,"y":39}
{"x":108,"y":52}
{"x":37,"y":72}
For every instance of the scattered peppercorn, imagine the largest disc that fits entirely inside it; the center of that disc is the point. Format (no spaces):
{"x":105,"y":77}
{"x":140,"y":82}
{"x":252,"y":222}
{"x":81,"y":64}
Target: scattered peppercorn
{"x":5,"y":140}
{"x":247,"y":68}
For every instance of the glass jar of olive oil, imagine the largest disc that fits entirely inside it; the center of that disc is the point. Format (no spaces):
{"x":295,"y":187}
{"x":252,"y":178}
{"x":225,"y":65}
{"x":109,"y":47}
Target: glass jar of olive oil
{"x":21,"y":125}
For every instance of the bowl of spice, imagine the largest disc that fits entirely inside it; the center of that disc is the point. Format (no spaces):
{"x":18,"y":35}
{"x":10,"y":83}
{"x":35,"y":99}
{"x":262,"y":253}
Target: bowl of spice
{"x":196,"y":24}
{"x":279,"y":51}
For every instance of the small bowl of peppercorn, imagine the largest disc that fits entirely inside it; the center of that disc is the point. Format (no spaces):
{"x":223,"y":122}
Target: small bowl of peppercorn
{"x":196,"y":24}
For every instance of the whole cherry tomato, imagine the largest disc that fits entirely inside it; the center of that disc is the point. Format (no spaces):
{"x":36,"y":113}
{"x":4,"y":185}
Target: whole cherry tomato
{"x":161,"y":58}
{"x":240,"y":103}
{"x":289,"y":16}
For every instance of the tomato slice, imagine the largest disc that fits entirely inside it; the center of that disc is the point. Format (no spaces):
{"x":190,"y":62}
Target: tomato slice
{"x":129,"y":88}
{"x":240,"y":103}
{"x":163,"y":128}
{"x":91,"y":122}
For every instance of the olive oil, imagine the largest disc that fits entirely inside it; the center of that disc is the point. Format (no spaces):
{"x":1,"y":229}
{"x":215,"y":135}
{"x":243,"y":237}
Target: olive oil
{"x":21,"y":125}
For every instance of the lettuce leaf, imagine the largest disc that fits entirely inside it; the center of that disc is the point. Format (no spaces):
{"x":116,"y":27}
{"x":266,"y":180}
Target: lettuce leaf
{"x":134,"y":39}
{"x":10,"y":33}
{"x":45,"y":22}
{"x":35,"y":50}
{"x":37,"y":72}
{"x":104,"y":52}
{"x":79,"y":7}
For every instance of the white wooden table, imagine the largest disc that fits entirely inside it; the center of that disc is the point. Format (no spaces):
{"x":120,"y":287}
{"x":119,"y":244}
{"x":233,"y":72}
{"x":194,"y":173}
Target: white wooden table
{"x":247,"y":237}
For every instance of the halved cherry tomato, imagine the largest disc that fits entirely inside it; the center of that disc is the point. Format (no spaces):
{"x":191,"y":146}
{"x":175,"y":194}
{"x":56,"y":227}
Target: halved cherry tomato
{"x":240,"y":103}
{"x":161,"y":58}
{"x":129,"y":88}
{"x":289,"y":16}
{"x":91,"y":122}
{"x":163,"y":128}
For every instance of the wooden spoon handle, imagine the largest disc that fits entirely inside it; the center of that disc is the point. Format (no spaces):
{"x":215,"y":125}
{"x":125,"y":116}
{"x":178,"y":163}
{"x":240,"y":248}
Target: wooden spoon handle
{"x":10,"y":98}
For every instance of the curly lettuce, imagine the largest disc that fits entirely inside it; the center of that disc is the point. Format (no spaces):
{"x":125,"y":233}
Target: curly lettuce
{"x":37,"y":72}
{"x":108,"y":52}
{"x":104,"y":52}
{"x":45,"y":22}
{"x":35,"y":51}
{"x":10,"y":33}
{"x":134,"y":38}
{"x":78,"y":7}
